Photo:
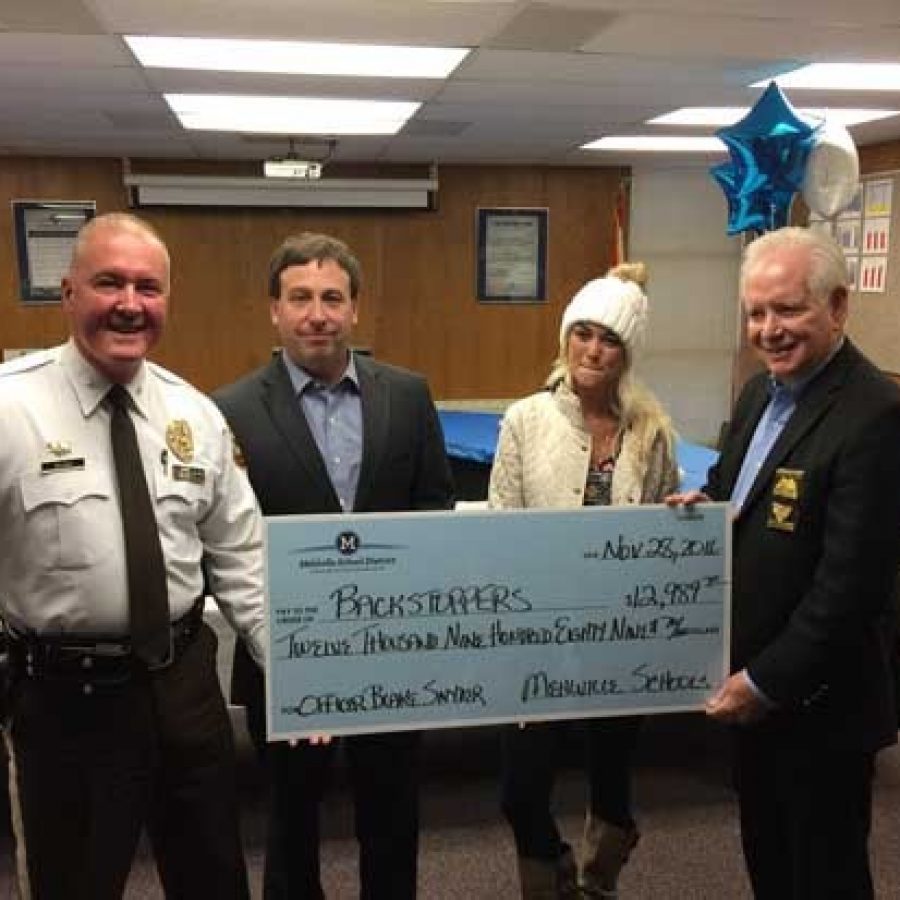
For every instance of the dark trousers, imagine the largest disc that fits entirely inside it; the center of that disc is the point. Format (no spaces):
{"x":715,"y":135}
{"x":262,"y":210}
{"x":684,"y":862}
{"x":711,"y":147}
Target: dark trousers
{"x":531,"y":757}
{"x":384,"y":778}
{"x":154,"y":751}
{"x":805,"y":818}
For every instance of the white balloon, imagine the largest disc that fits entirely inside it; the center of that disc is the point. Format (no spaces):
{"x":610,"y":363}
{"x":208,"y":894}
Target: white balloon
{"x":831,"y":179}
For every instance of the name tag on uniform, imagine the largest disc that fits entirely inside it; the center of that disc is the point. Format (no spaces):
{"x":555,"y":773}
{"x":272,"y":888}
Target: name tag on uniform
{"x":61,"y":465}
{"x":192,"y":474}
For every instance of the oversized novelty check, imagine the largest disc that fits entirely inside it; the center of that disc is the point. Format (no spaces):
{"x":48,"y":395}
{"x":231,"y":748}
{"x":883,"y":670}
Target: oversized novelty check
{"x":421,"y":620}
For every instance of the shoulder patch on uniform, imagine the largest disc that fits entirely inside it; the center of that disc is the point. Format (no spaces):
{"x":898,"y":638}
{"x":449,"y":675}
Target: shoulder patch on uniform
{"x":165,"y":375}
{"x":28,"y":362}
{"x":239,"y":459}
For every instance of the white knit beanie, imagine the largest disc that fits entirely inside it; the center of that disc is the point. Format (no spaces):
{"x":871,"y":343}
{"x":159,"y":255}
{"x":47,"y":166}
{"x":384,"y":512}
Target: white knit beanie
{"x":620,"y":306}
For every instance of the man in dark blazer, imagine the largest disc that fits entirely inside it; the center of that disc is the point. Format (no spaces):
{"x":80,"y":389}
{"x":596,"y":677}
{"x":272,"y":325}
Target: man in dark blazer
{"x":324,"y":430}
{"x":811,"y":464}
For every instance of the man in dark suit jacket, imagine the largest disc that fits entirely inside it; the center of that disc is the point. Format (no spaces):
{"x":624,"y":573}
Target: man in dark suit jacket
{"x":811,"y":463}
{"x":324,"y":430}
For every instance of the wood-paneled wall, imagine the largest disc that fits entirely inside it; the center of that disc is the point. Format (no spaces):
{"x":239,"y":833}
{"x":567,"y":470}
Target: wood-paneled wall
{"x":44,"y":179}
{"x":879,"y":158}
{"x":418,"y":305}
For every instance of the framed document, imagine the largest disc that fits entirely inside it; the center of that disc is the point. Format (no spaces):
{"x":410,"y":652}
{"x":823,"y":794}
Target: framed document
{"x":512,"y":255}
{"x":45,"y":233}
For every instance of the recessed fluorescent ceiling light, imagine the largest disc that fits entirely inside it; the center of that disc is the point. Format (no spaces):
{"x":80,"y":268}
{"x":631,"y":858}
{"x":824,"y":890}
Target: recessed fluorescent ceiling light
{"x":658,"y":143}
{"x":728,"y":115}
{"x":289,"y":115}
{"x":295,"y":57}
{"x":841,"y":77}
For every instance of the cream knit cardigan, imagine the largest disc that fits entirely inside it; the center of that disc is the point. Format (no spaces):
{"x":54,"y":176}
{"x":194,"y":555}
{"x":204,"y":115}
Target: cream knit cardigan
{"x":544,"y":451}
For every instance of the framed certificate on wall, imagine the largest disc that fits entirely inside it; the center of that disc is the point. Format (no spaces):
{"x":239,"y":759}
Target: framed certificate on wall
{"x":512,"y":255}
{"x":45,"y":234}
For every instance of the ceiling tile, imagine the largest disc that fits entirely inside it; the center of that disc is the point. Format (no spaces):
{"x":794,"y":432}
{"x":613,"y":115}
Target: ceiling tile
{"x":68,"y":83}
{"x":381,"y":21}
{"x":541,"y":26}
{"x":63,"y":16}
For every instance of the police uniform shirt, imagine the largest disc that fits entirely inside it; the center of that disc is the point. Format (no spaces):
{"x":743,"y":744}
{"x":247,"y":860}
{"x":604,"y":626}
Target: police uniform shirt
{"x":62,"y":569}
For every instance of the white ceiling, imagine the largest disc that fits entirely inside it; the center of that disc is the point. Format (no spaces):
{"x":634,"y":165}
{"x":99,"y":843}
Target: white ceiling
{"x":543,"y":77}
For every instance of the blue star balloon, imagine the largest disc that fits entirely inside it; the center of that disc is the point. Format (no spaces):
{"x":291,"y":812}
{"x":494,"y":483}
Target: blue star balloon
{"x":769,"y":149}
{"x":770,"y":145}
{"x":740,"y":215}
{"x":759,"y":210}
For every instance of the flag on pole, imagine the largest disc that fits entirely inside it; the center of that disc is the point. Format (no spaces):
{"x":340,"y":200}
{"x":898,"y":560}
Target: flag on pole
{"x":620,"y":221}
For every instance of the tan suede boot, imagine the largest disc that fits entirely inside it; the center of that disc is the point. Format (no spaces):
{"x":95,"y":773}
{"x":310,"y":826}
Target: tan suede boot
{"x":605,"y":851}
{"x":542,"y":879}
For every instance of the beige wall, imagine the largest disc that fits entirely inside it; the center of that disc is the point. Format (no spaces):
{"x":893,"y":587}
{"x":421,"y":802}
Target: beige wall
{"x":678,"y":228}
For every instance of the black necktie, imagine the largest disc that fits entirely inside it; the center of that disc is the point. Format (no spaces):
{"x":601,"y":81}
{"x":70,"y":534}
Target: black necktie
{"x":148,"y":600}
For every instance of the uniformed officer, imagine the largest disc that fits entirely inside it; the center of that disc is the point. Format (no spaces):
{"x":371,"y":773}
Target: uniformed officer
{"x":104,"y":742}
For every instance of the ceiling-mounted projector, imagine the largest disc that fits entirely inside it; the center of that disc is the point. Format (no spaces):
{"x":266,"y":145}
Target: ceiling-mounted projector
{"x":292,"y":168}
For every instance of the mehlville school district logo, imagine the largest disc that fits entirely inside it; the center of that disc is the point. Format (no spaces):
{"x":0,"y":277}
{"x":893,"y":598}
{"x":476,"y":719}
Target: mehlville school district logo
{"x":347,"y":543}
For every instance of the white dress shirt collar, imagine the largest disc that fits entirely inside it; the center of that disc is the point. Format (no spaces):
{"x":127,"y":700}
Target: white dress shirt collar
{"x":91,"y":386}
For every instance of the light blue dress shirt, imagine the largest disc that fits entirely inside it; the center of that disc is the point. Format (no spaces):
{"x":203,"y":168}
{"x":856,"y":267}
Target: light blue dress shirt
{"x":783,"y":399}
{"x":334,"y":415}
{"x":781,"y":406}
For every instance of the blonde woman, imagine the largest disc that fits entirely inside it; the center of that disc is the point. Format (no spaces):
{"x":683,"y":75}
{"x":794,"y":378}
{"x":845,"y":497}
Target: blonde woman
{"x":593,"y":436}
